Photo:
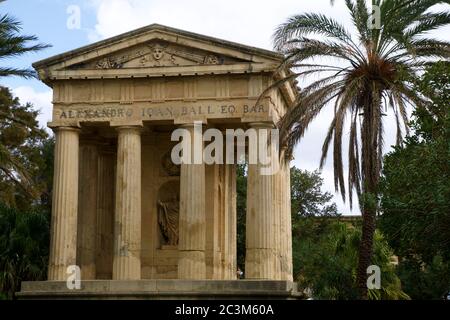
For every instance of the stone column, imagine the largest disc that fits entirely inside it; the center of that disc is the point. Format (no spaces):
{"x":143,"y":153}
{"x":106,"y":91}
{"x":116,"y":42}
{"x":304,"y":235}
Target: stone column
{"x":212,"y":205}
{"x":277,"y":212}
{"x":192,"y":232}
{"x":260,"y":258}
{"x":127,"y":224}
{"x":63,"y":244}
{"x":87,"y":209}
{"x":286,"y":225}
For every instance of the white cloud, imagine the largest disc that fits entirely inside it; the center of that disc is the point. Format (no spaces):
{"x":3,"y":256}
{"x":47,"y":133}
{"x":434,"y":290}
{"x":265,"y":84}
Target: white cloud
{"x":41,"y":101}
{"x":247,"y":22}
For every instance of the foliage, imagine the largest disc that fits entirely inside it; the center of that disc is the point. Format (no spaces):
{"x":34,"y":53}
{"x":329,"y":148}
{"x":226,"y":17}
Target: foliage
{"x":24,"y":238}
{"x":241,"y":207}
{"x":307,"y":198}
{"x":13,"y":44}
{"x":363,"y":76}
{"x":425,"y":281}
{"x":26,"y":165}
{"x":432,"y":122}
{"x":416,"y":192}
{"x":325,"y":253}
{"x":416,"y":200}
{"x":21,"y":153}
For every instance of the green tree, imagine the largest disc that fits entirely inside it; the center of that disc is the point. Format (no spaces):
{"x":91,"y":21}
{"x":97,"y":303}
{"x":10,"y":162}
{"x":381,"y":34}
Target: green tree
{"x":13,"y":44}
{"x":24,"y":238}
{"x":363,"y":77}
{"x":325,"y":253}
{"x":307,"y":198}
{"x":21,"y":156}
{"x":241,"y":207}
{"x":26,"y":166}
{"x":415,"y":190}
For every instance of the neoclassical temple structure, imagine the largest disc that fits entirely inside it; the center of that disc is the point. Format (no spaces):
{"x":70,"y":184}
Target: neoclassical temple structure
{"x":135,"y":223}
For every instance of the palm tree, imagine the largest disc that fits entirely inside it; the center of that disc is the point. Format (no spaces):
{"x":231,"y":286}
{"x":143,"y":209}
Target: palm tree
{"x":12,"y":44}
{"x":363,"y":73}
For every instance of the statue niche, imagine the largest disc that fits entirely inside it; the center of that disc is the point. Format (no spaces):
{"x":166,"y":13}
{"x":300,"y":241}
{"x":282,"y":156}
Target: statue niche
{"x":168,"y":212}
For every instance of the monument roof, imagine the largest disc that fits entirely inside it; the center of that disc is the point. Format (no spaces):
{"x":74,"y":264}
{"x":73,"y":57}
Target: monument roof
{"x":160,"y":51}
{"x":151,"y":29}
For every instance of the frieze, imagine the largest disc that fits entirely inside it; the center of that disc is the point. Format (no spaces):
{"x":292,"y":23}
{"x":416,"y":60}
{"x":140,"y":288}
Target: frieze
{"x":157,"y":112}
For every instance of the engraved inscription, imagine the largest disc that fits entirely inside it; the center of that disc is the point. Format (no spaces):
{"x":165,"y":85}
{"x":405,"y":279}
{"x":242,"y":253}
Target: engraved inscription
{"x":157,"y":112}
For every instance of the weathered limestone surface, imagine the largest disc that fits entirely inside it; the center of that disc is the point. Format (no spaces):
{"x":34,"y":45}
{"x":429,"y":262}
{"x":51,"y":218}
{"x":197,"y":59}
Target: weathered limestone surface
{"x":87,"y":209}
{"x":221,"y":222}
{"x":127,"y":228}
{"x":163,"y":289}
{"x":285,"y":223}
{"x":63,"y":244}
{"x":261,"y":261}
{"x":192,"y":224}
{"x":229,"y":222}
{"x":105,"y":212}
{"x":278,"y":213}
{"x":212,"y":253}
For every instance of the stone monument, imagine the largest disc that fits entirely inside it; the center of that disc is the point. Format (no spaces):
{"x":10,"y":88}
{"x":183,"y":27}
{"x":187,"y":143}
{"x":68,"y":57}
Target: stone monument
{"x":122,"y":211}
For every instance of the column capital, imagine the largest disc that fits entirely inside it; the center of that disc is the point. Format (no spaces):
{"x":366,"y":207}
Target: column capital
{"x":190,"y":125}
{"x":261,"y":125}
{"x":137,"y":128}
{"x":66,"y":128}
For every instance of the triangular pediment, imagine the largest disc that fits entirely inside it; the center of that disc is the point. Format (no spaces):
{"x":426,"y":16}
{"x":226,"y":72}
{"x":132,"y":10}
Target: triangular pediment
{"x":157,"y":50}
{"x":158,"y":53}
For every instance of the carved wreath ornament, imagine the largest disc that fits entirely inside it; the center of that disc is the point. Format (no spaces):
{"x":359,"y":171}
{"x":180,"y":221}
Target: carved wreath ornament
{"x":155,"y":55}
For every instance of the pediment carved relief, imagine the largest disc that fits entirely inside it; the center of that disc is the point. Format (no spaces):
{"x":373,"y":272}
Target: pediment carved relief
{"x":157,"y":54}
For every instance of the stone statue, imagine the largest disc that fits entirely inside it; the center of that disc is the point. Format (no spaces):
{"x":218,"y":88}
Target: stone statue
{"x":168,"y":213}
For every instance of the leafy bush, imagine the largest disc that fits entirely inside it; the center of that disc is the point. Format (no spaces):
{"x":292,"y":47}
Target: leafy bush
{"x":325,"y":253}
{"x":24,"y":238}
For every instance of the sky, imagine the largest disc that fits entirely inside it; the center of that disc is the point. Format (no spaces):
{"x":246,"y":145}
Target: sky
{"x":250,"y":22}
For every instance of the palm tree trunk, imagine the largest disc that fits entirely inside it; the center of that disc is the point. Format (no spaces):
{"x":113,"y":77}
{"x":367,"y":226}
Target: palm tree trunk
{"x":365,"y":251}
{"x":370,"y":176}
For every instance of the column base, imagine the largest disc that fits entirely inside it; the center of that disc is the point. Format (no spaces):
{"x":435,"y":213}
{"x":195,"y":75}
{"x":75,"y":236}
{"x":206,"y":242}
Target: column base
{"x":127,"y":267}
{"x":261,"y":264}
{"x":191,"y":265}
{"x":162,"y":289}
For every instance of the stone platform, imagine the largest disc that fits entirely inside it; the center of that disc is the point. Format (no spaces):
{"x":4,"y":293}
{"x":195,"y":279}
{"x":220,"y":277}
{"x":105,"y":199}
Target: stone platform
{"x":162,"y":289}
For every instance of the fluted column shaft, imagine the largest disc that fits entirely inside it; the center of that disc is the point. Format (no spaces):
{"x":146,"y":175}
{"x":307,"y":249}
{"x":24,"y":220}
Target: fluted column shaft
{"x":127,"y":227}
{"x":278,"y":213}
{"x":230,"y":170}
{"x":87,"y":209}
{"x":63,"y":244}
{"x":260,"y":258}
{"x":286,"y":224}
{"x":192,"y":232}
